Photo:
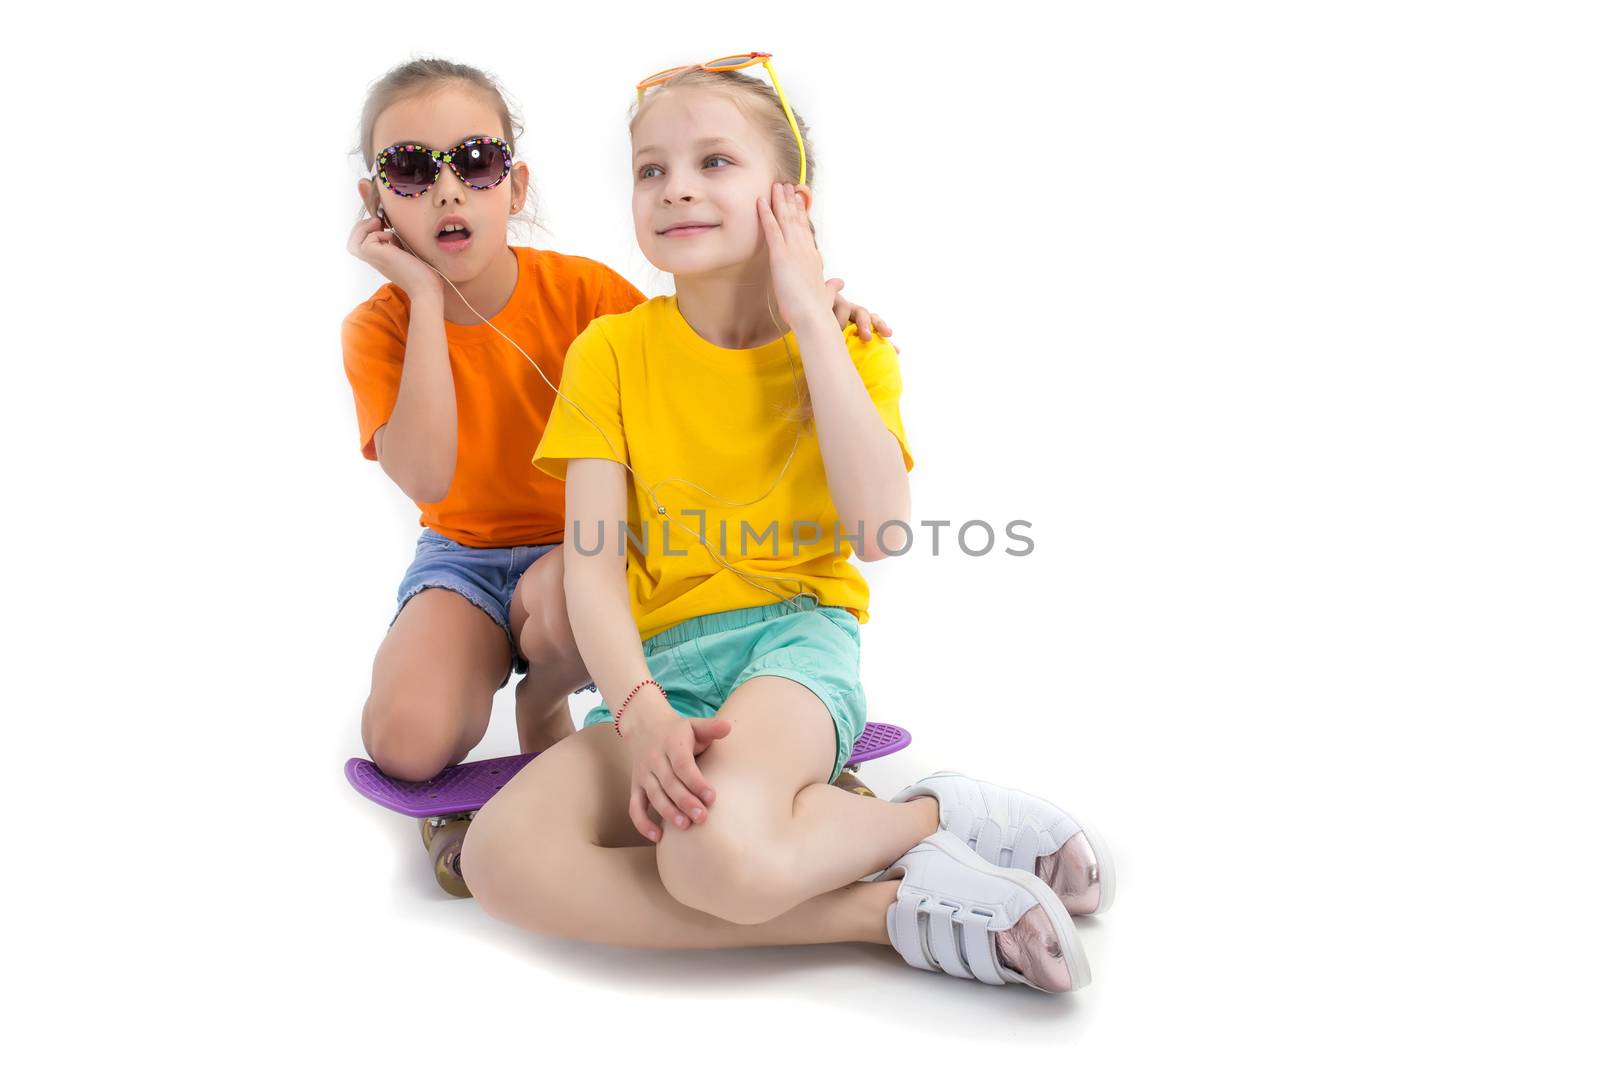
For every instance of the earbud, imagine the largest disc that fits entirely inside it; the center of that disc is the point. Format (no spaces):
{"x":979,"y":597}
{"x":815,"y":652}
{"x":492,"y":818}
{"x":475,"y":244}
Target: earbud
{"x":380,"y":211}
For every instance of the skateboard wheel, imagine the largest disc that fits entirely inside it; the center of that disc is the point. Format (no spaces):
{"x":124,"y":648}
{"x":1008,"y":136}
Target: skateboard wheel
{"x":430,"y":825}
{"x":444,"y":849}
{"x":851,"y":784}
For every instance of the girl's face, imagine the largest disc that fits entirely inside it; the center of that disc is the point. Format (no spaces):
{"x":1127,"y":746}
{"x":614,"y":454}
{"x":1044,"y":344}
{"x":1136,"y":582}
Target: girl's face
{"x":699,"y":167}
{"x":441,"y":120}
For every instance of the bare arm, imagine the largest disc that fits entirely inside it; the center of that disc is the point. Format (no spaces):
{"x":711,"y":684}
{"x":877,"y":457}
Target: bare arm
{"x":596,"y":585}
{"x":661,"y":744}
{"x":417,"y":446}
{"x":866,"y":475}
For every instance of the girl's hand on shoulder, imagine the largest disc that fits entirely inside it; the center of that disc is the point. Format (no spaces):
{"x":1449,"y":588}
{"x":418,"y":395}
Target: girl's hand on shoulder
{"x":866,"y":322}
{"x":792,"y":252}
{"x":661,"y":748}
{"x":379,"y":248}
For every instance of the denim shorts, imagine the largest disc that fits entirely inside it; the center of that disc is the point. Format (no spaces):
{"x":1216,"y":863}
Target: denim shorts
{"x":487,"y":577}
{"x":701,"y":661}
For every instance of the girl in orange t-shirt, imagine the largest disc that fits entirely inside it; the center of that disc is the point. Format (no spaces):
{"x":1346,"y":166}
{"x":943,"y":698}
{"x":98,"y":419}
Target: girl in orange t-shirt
{"x":453,"y":412}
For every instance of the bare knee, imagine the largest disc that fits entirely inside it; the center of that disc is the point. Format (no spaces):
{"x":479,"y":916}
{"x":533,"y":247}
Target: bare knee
{"x":408,"y":738}
{"x":546,"y":636}
{"x":720,"y":868}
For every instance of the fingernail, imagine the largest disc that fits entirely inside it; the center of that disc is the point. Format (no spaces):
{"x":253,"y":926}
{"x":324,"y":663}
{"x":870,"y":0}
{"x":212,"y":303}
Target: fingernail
{"x":697,"y":813}
{"x":683,"y":824}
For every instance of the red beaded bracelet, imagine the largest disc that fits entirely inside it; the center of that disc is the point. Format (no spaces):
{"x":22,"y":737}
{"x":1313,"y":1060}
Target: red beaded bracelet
{"x":616,"y":716}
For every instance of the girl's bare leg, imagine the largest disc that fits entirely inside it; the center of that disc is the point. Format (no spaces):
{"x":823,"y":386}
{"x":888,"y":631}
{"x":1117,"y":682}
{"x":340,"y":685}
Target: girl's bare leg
{"x":555,"y":669}
{"x":433,"y":684}
{"x":778,"y":833}
{"x":555,"y":852}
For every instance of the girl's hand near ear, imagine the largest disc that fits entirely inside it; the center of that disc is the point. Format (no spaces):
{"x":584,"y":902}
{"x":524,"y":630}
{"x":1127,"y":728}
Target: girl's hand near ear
{"x":787,"y":203}
{"x":380,"y":249}
{"x":792,"y":252}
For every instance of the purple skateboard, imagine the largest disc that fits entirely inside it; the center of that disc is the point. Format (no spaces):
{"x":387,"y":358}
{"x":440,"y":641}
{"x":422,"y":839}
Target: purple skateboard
{"x":468,"y":786}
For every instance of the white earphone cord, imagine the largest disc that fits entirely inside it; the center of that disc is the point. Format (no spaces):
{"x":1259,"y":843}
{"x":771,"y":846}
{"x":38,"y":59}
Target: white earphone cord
{"x":650,"y":489}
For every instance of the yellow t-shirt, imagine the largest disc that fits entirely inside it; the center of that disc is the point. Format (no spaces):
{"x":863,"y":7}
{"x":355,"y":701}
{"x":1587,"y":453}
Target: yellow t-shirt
{"x":680,"y":410}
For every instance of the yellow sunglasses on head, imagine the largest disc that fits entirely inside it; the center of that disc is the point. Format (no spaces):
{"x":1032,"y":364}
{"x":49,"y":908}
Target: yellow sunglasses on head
{"x":739,"y":62}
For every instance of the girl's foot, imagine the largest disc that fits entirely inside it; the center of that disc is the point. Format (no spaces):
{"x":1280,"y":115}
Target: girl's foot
{"x":955,"y":912}
{"x":1018,"y":830}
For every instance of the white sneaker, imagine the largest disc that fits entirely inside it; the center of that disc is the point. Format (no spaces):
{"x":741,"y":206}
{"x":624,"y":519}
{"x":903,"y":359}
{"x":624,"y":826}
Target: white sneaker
{"x":958,"y":913}
{"x":1014,"y":829}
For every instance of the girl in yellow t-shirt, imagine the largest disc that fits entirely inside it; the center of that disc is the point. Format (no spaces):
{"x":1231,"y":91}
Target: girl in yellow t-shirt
{"x":743,"y":449}
{"x":448,"y":403}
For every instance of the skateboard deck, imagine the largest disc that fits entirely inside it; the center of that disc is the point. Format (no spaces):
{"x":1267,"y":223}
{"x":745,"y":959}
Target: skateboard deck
{"x":468,"y":786}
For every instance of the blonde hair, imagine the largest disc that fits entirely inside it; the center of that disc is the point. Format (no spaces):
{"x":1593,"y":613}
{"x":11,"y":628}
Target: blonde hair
{"x":419,"y":77}
{"x":760,"y":104}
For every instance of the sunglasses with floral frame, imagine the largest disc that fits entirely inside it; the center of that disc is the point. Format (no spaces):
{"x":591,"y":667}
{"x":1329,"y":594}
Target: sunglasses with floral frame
{"x":411,"y":169}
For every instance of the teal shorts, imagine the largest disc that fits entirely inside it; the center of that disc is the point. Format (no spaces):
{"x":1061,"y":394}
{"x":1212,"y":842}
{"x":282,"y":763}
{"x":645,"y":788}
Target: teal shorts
{"x":701,"y":661}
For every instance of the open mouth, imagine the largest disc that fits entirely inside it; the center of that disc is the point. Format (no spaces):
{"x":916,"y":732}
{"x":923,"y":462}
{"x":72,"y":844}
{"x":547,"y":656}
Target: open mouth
{"x":454,"y":235}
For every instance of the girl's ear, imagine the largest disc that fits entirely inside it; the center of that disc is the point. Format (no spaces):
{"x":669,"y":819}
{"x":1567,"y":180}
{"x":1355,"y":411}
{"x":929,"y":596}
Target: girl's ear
{"x":519,"y":187}
{"x":369,"y":196}
{"x":804,"y":192}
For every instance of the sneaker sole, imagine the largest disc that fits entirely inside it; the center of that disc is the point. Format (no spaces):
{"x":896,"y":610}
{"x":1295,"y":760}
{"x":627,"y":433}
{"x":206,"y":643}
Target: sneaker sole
{"x":1108,"y":870}
{"x":1038,"y":889}
{"x":1102,"y":854}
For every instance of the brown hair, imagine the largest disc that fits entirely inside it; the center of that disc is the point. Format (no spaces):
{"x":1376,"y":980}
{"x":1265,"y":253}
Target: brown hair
{"x":419,"y":77}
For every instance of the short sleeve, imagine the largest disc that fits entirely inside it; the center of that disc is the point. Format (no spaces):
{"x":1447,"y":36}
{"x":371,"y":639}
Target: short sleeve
{"x":586,"y":419}
{"x":879,"y":366}
{"x":374,"y":340}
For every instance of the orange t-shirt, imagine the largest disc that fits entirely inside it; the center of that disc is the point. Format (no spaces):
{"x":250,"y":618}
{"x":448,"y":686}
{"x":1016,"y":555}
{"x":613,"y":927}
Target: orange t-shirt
{"x":497,"y":497}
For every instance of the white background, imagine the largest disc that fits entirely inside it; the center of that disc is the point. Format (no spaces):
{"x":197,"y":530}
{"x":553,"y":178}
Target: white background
{"x":1276,"y":320}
